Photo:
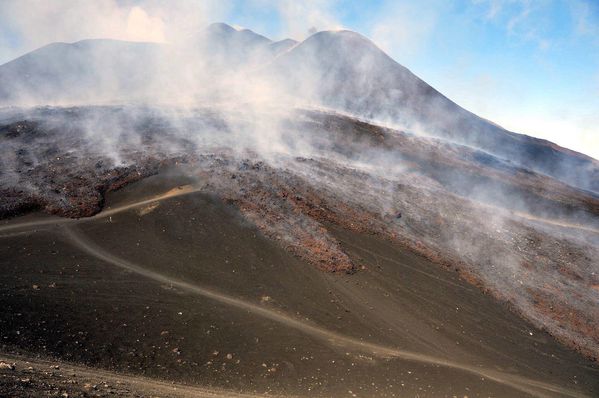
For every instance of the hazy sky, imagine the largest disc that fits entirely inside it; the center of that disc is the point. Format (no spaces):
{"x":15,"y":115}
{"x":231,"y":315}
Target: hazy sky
{"x":531,"y":66}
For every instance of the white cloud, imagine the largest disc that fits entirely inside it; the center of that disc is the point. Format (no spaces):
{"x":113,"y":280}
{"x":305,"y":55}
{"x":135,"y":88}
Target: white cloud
{"x":524,"y":20}
{"x":299,"y":17}
{"x":586,"y":18}
{"x":143,"y":27}
{"x":402,"y":27}
{"x":36,"y":23}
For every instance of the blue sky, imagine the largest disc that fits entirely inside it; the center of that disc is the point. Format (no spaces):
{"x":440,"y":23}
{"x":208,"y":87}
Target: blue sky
{"x":531,"y":66}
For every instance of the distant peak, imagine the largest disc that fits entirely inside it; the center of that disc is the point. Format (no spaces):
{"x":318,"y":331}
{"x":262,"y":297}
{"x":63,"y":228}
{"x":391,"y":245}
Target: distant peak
{"x":328,"y":39}
{"x":226,"y":30}
{"x":221,"y":27}
{"x":282,"y":45}
{"x":286,"y":41}
{"x":91,"y":42}
{"x":338,"y":34}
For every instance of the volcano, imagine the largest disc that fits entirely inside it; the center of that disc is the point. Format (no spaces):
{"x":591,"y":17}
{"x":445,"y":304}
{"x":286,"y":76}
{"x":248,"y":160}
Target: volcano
{"x":233,"y":216}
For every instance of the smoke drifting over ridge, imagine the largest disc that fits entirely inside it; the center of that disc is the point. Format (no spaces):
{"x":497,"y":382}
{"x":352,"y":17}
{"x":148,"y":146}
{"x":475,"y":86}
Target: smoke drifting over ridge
{"x":223,"y":65}
{"x":288,"y":132}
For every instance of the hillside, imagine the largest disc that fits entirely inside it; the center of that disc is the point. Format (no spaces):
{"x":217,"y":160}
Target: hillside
{"x":339,"y":70}
{"x":236,"y":216}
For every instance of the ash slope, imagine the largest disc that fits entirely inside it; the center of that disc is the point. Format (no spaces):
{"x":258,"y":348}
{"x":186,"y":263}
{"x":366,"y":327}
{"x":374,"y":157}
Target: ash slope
{"x":340,"y":70}
{"x":183,"y":289}
{"x":527,"y":239}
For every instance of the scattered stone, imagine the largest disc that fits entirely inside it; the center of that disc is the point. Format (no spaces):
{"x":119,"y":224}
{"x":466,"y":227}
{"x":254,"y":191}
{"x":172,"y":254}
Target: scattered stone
{"x":10,"y":366}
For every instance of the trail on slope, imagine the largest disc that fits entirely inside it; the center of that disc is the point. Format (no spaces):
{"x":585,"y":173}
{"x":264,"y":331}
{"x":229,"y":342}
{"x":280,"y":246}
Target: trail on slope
{"x":178,"y":191}
{"x":188,"y":189}
{"x":533,"y":387}
{"x":555,"y":222}
{"x":531,"y":217}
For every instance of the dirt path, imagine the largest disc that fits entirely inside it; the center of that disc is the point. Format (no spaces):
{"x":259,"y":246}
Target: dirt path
{"x":188,"y":189}
{"x":108,"y":212}
{"x":555,"y":223}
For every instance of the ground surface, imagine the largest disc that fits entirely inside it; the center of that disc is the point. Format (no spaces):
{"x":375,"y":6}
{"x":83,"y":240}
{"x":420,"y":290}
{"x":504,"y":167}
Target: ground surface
{"x":27,"y":377}
{"x":176,"y":285}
